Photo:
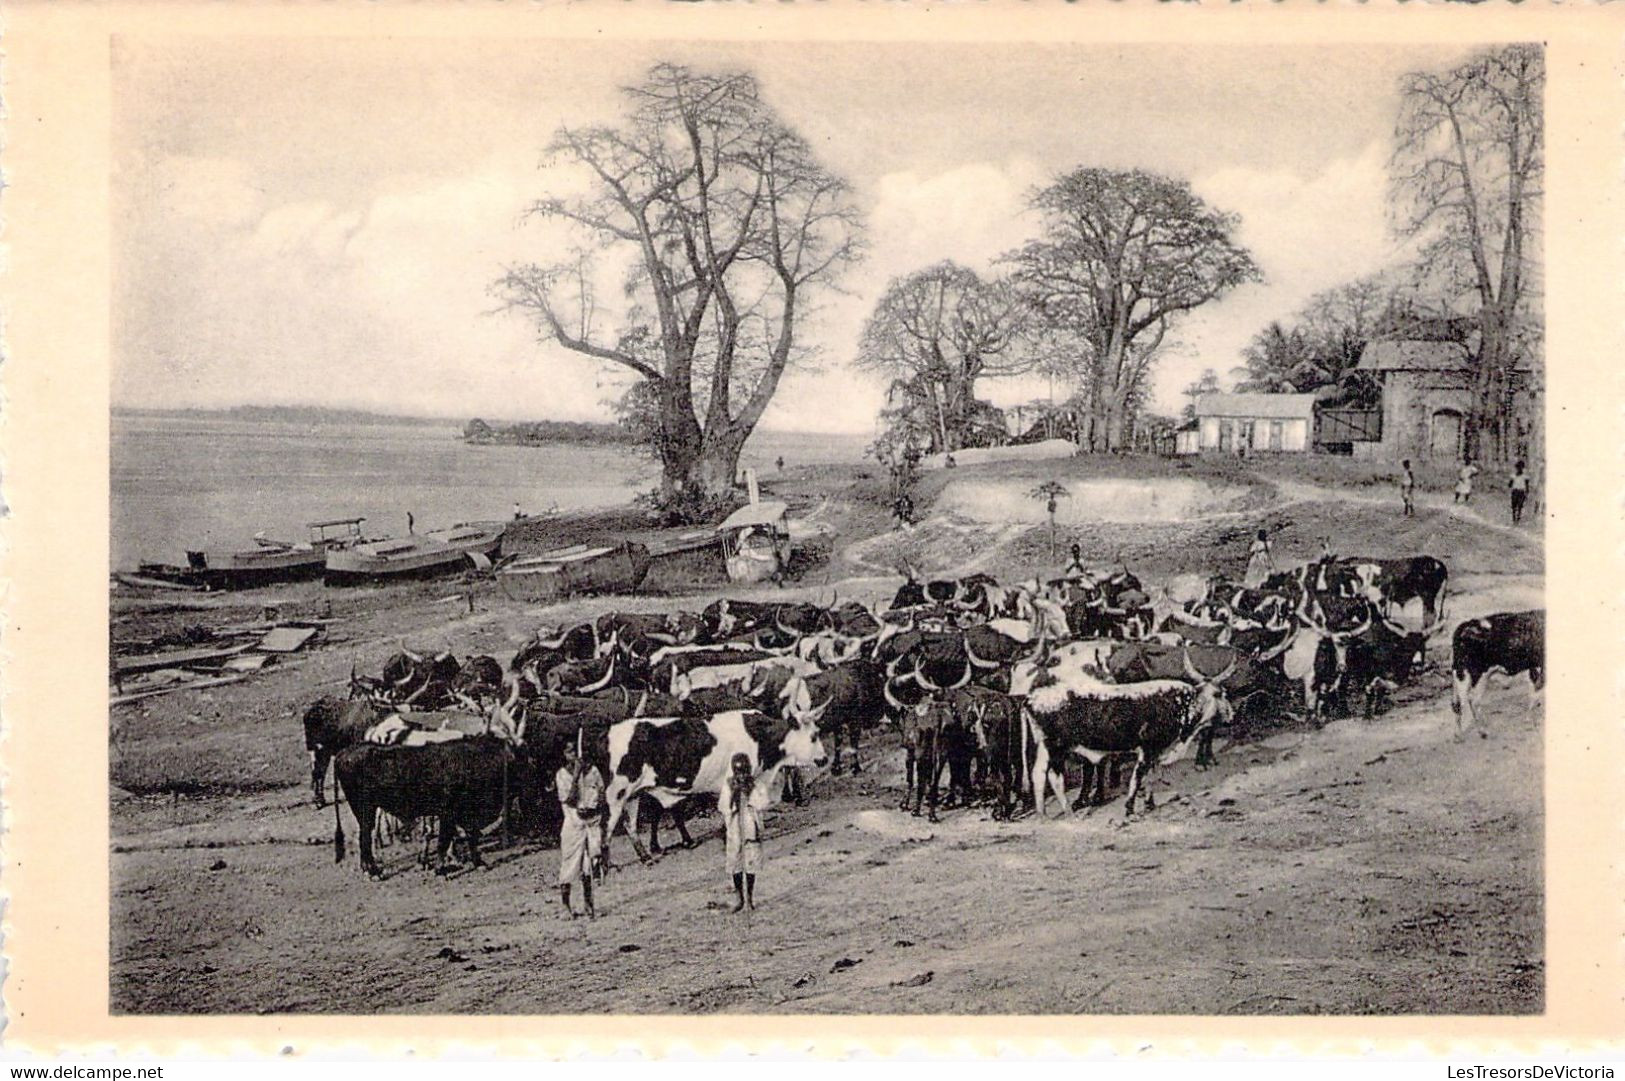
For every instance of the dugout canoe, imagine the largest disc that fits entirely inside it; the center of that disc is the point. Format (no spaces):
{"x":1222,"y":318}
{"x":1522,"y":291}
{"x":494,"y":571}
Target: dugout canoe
{"x":573,"y":570}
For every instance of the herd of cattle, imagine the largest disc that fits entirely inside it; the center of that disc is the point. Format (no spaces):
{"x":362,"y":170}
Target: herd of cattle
{"x":997,"y":686}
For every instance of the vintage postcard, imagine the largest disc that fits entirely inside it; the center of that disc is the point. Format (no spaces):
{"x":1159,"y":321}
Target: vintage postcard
{"x":549,"y":528}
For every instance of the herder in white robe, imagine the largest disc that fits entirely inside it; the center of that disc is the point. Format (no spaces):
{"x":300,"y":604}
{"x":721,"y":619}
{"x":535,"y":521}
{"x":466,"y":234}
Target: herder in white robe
{"x":581,"y":798}
{"x":742,"y":801}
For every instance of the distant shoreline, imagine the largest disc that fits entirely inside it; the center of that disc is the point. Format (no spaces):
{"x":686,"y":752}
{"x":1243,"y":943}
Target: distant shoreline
{"x":290,"y":414}
{"x":317,"y":414}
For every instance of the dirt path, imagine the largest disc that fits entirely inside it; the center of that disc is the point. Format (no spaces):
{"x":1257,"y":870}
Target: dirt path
{"x":1381,"y":867}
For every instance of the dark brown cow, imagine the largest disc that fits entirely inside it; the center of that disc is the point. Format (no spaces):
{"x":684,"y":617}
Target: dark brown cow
{"x":464,"y":784}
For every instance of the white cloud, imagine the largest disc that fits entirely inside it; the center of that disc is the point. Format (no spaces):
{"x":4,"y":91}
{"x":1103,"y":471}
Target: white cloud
{"x":1306,"y":234}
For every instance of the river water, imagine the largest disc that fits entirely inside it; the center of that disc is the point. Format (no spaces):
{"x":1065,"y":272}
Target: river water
{"x":202,"y":481}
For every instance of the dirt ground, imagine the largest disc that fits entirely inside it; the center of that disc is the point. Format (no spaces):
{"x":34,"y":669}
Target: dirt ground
{"x":1364,"y":867}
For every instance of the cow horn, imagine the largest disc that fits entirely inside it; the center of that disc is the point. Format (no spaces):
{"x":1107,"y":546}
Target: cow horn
{"x":962,"y":679}
{"x":925,"y":684}
{"x":1229,"y":670}
{"x":1279,"y":648}
{"x":890,"y":700}
{"x":1344,"y":636}
{"x":600,"y":684}
{"x":972,"y":658}
{"x":1190,"y":669}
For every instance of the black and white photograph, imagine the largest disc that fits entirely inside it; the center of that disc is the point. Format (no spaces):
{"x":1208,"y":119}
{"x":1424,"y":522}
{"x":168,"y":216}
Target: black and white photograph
{"x":808,"y":527}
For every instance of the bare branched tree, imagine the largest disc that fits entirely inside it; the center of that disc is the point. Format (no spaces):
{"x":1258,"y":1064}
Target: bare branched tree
{"x":731,"y":227}
{"x":938,"y":331}
{"x":1122,"y":256}
{"x":1467,"y":174}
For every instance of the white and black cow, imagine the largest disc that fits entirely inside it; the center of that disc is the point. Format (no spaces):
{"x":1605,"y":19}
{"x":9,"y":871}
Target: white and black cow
{"x":1389,"y":582}
{"x":1509,"y":643}
{"x":1073,"y":713}
{"x":675,"y":758}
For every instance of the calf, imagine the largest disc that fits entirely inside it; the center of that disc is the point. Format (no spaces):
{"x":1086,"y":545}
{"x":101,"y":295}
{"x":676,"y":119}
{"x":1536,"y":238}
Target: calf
{"x":1511,"y":643}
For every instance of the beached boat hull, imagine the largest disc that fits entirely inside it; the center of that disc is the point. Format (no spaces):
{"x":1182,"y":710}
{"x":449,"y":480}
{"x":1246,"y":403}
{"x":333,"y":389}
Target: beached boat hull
{"x":410,"y":558}
{"x":572,"y":571}
{"x":252,"y":569}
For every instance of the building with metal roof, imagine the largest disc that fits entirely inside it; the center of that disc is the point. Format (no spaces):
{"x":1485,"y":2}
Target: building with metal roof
{"x":1249,"y":423}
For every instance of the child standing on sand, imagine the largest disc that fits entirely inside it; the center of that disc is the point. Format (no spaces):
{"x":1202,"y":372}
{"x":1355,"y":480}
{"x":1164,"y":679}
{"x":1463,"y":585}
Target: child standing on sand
{"x":1518,"y":486}
{"x":741,"y":801}
{"x":1464,"y":482}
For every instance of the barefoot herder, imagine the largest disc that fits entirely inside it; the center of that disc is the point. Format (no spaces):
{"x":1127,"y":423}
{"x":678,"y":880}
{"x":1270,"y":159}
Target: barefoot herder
{"x":581,"y":797}
{"x":741,"y":801}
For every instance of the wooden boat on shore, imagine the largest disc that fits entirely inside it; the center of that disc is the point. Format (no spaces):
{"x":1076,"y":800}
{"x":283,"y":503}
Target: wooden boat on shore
{"x":267,"y":563}
{"x":577,"y":569}
{"x":425,"y":555}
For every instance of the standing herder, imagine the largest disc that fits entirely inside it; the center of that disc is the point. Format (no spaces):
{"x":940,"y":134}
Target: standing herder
{"x":742,"y":800}
{"x":581,"y":796}
{"x":1075,"y":568}
{"x":1407,"y":488}
{"x":1464,"y":482}
{"x":1260,"y":561}
{"x":1518,"y":487}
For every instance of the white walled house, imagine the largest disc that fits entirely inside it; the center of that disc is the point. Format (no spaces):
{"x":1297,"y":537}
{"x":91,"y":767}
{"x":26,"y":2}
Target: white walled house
{"x":1262,"y":423}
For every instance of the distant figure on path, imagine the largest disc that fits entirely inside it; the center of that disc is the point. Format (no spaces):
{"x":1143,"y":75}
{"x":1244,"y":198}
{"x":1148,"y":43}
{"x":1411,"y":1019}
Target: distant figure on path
{"x":1260,"y":561}
{"x":741,"y":801}
{"x":411,"y":523}
{"x":780,"y":463}
{"x":1075,"y":567}
{"x":1464,"y":482}
{"x":581,"y":796}
{"x":1518,"y":486}
{"x":949,"y":462}
{"x":1407,"y":488}
{"x":517,"y":513}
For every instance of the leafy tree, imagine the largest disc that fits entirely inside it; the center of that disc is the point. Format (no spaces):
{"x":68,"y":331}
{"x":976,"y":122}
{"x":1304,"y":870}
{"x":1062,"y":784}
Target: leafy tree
{"x":1467,"y":176}
{"x":1278,"y":361}
{"x":936,"y":332}
{"x":731,"y":226}
{"x":1122,"y":255}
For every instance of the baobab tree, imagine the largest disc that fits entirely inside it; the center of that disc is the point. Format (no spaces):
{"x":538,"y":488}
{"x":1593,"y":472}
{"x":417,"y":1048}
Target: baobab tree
{"x":1467,"y":175}
{"x":1122,"y":255}
{"x":731,"y":228}
{"x":936,"y":332}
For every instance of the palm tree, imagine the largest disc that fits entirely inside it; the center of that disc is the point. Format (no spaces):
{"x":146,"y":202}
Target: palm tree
{"x":1050,"y":491}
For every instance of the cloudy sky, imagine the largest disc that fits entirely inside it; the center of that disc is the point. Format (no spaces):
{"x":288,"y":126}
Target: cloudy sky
{"x":317,"y":221}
